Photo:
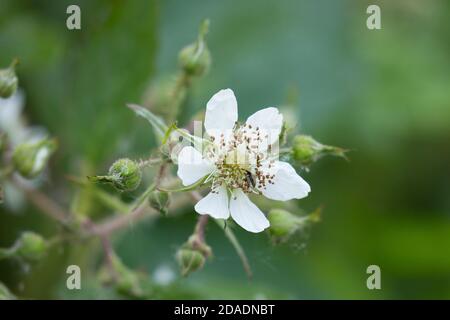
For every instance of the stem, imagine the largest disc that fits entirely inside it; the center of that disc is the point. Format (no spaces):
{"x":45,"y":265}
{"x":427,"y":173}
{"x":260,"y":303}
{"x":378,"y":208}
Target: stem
{"x":109,"y":226}
{"x":44,"y":203}
{"x":149,"y":162}
{"x":239,"y":250}
{"x":143,"y":196}
{"x":228,"y":233}
{"x":200,"y":228}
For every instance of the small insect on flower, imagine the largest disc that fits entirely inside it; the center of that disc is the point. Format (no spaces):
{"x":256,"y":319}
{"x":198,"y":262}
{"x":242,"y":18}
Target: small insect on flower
{"x":240,"y":160}
{"x":250,"y":180}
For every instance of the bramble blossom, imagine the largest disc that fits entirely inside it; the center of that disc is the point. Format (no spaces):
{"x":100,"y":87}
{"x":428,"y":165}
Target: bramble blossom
{"x":239,"y":160}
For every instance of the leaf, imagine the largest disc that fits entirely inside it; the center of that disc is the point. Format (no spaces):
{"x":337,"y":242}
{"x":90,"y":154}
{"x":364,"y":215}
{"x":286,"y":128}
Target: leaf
{"x":157,"y":123}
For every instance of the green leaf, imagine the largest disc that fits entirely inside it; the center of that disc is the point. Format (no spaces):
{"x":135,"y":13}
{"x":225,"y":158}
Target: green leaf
{"x":157,"y":123}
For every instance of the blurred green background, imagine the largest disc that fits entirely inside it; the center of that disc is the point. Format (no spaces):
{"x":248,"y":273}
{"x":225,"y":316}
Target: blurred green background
{"x":384,"y":94}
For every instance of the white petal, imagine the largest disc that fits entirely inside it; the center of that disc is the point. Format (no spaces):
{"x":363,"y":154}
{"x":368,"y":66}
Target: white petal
{"x":246,"y":213}
{"x":269,"y":121}
{"x":221,"y":113}
{"x":192,"y":166}
{"x":215,"y":204}
{"x":287,"y":184}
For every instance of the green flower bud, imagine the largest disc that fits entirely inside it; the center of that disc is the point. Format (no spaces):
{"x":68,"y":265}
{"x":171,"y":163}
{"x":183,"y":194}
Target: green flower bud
{"x":30,"y":159}
{"x":30,"y":246}
{"x":192,"y":255}
{"x":159,"y":200}
{"x":190,"y":260}
{"x":8,"y":80}
{"x":284,"y":224}
{"x":195,"y":58}
{"x":306,"y":150}
{"x":124,"y":175}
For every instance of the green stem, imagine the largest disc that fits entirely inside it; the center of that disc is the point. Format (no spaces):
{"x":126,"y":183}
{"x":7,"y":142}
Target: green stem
{"x":237,"y":246}
{"x":143,"y":196}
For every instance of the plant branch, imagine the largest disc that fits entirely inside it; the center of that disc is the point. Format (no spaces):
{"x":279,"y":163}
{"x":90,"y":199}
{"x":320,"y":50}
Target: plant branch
{"x":43,"y":202}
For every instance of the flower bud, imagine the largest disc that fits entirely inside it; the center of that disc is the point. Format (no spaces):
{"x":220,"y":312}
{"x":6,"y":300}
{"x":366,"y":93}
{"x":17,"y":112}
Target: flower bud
{"x":30,"y":246}
{"x":284,"y":224}
{"x":190,"y":260}
{"x":192,"y":255}
{"x":124,"y":175}
{"x":30,"y":159}
{"x":195,"y":58}
{"x":306,"y":150}
{"x":159,"y":200}
{"x":8,"y":80}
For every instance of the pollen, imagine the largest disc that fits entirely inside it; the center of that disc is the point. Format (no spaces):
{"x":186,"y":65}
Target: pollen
{"x":238,"y":160}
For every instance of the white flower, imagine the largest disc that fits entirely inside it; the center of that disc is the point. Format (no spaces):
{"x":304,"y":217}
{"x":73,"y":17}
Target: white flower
{"x":240,"y":160}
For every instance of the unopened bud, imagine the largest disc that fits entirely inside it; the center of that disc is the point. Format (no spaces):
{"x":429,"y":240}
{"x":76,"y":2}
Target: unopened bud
{"x":192,"y":255}
{"x":8,"y":80}
{"x":30,"y":159}
{"x":30,"y":246}
{"x":195,"y":58}
{"x":284,"y":224}
{"x":306,"y":150}
{"x":190,"y":260}
{"x":159,"y":200}
{"x":124,"y":175}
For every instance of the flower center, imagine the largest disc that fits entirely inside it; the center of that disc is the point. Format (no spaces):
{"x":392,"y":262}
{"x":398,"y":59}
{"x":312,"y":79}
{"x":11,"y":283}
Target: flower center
{"x":238,"y":160}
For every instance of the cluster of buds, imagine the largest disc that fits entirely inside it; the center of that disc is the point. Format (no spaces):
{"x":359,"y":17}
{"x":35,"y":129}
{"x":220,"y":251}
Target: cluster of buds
{"x":306,"y":150}
{"x":192,"y":255}
{"x":124,"y":175}
{"x":284,"y":224}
